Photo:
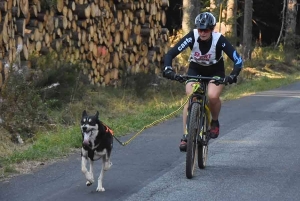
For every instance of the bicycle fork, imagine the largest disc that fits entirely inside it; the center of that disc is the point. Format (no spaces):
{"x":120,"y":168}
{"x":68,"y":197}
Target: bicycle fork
{"x":204,"y":136}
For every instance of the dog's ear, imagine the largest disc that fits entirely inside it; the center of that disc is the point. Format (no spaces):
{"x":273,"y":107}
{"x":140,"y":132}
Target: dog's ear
{"x":84,"y":113}
{"x":97,"y":115}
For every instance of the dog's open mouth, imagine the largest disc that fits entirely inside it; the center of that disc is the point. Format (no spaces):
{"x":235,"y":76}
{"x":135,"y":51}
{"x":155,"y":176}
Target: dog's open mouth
{"x":86,"y":138}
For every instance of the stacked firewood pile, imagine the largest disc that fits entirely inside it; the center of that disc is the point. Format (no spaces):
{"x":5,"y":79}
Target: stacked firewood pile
{"x":107,"y":37}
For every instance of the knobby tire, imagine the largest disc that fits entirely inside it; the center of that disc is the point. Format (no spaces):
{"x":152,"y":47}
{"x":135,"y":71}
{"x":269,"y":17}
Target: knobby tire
{"x":203,"y":143}
{"x":193,"y":130}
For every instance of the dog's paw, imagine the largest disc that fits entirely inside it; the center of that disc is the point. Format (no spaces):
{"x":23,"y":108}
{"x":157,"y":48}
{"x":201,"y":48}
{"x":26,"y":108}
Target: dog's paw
{"x":100,"y":189}
{"x":88,"y":183}
{"x":107,"y":165}
{"x":90,"y":178}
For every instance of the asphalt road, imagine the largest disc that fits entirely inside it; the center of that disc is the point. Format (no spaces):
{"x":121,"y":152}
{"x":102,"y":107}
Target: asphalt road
{"x":256,"y":158}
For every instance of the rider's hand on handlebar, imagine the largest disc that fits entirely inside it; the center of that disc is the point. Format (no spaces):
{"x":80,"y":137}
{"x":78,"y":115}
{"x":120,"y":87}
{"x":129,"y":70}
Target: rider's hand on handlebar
{"x":230,"y":79}
{"x":179,"y":78}
{"x":169,"y":73}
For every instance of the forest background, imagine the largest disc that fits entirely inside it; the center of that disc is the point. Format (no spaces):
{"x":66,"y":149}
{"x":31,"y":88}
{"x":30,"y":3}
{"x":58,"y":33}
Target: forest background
{"x":39,"y":122}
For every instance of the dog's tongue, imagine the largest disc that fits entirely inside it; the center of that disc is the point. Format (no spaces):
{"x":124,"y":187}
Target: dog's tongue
{"x":86,"y":139}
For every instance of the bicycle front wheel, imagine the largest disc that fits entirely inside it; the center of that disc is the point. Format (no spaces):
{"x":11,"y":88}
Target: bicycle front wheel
{"x":193,"y":130}
{"x":203,"y":143}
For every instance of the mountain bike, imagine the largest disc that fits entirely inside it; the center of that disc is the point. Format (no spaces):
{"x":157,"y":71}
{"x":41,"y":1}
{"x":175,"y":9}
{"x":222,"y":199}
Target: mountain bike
{"x":198,"y":121}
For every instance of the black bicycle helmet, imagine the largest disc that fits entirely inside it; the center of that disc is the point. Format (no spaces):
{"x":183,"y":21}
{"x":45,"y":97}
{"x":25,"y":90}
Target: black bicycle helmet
{"x":205,"y":20}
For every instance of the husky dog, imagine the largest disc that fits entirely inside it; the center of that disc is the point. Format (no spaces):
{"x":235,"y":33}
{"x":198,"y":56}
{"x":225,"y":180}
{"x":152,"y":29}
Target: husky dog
{"x":97,"y":142}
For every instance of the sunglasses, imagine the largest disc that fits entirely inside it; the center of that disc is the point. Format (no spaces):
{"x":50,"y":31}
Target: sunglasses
{"x":204,"y":30}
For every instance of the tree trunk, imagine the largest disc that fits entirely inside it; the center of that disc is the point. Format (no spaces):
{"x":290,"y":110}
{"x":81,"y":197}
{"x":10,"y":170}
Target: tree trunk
{"x":231,"y":21}
{"x":191,"y":8}
{"x":212,"y":5}
{"x":219,"y":11}
{"x":291,"y":17}
{"x":247,"y":31}
{"x":282,"y":23}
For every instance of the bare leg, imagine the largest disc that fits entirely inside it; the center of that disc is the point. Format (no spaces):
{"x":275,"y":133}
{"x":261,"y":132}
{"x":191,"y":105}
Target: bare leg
{"x":214,"y":93}
{"x":184,"y":118}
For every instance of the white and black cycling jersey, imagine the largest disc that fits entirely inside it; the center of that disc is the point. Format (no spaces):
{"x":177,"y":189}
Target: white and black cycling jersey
{"x":205,"y":59}
{"x":205,"y":53}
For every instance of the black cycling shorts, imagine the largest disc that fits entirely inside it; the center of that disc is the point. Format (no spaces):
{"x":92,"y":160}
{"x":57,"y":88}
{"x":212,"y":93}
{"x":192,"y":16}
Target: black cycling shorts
{"x":209,"y":71}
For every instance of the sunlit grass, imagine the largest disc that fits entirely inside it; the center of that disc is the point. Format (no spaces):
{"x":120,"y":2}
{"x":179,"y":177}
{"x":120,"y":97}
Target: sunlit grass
{"x":143,"y":114}
{"x":48,"y":145}
{"x":252,"y":86}
{"x":268,"y":54}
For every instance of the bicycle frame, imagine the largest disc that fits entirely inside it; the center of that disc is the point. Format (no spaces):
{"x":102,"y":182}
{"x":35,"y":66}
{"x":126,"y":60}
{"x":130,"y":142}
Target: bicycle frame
{"x":199,"y":96}
{"x":199,"y":118}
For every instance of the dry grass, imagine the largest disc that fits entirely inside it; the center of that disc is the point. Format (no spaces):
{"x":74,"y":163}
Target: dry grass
{"x":6,"y":145}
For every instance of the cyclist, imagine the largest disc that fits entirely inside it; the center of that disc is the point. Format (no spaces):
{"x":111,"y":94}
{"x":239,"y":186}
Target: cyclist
{"x":205,"y":59}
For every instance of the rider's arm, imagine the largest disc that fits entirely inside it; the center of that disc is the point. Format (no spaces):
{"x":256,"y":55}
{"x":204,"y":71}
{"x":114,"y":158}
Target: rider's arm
{"x":231,"y":52}
{"x":187,"y":41}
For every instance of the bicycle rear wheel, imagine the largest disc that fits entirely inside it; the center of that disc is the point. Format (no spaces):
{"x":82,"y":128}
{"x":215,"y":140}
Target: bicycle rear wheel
{"x":203,"y":143}
{"x":193,"y":130}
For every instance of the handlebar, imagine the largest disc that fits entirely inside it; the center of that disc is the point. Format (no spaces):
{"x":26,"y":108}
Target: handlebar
{"x":215,"y":80}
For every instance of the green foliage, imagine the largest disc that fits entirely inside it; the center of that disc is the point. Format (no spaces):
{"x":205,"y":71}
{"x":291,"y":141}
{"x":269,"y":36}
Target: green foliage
{"x":290,"y":48}
{"x":282,"y":60}
{"x":141,"y":83}
{"x":22,"y":108}
{"x":268,"y":54}
{"x":145,"y":85}
{"x":70,"y":85}
{"x":28,"y":96}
